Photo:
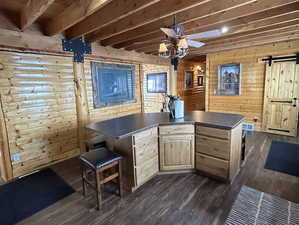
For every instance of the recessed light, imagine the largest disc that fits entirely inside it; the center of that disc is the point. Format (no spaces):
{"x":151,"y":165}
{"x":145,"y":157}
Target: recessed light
{"x":224,"y":29}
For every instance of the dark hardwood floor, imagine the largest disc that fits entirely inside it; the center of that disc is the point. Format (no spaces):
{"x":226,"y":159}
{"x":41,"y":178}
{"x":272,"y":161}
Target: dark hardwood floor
{"x":183,"y":199}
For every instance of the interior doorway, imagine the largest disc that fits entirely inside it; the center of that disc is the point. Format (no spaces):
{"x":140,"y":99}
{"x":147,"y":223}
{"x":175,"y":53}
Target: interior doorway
{"x":281,"y":104}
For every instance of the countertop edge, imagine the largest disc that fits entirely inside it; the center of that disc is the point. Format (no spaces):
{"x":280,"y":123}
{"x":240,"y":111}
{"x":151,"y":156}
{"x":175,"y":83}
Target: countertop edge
{"x":170,"y":123}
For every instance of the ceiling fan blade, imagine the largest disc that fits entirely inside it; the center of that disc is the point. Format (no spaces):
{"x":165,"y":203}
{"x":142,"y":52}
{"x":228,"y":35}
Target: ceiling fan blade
{"x":207,"y":34}
{"x":169,"y":32}
{"x":196,"y":44}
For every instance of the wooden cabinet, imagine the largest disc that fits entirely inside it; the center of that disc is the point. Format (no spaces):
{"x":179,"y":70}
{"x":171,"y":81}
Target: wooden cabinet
{"x":145,"y":153}
{"x":176,"y":147}
{"x":218,"y":151}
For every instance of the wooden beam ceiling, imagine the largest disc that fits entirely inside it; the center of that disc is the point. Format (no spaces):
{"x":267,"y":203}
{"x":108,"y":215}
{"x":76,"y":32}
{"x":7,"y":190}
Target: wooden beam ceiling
{"x":122,"y":23}
{"x":257,"y":10}
{"x":247,"y":25}
{"x":32,"y":11}
{"x":109,"y":14}
{"x":152,"y":13}
{"x":76,"y":12}
{"x":260,"y":40}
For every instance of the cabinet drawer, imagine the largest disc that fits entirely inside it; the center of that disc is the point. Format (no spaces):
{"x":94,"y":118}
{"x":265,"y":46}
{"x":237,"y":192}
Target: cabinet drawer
{"x":213,"y":132}
{"x":213,"y":146}
{"x":213,"y":166}
{"x":145,"y":171}
{"x":176,"y":129}
{"x":145,"y":137}
{"x":146,"y":152}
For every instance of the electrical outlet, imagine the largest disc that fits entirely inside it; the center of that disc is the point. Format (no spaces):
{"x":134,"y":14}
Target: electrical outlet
{"x":15,"y":157}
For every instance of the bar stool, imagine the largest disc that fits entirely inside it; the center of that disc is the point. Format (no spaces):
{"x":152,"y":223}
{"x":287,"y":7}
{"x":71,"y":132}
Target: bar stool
{"x":100,"y":161}
{"x":96,"y":142}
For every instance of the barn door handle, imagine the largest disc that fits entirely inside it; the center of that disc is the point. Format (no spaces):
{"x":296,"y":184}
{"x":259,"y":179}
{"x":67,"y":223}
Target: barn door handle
{"x":281,"y":101}
{"x":294,"y":104}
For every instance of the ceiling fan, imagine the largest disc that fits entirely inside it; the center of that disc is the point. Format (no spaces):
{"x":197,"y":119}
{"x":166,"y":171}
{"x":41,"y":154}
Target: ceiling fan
{"x":176,"y":45}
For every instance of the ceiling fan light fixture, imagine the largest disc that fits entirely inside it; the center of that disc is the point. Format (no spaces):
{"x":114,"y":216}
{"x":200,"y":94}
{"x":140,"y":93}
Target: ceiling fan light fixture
{"x":183,"y":43}
{"x":163,"y":48}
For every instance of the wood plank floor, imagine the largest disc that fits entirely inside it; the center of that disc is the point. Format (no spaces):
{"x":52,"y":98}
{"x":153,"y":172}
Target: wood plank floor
{"x":183,"y":199}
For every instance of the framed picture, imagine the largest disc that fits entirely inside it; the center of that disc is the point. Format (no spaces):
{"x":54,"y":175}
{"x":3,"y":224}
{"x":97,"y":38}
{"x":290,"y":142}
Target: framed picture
{"x":229,"y":79}
{"x":200,"y":80}
{"x":157,"y":83}
{"x":113,"y":84}
{"x":189,"y":76}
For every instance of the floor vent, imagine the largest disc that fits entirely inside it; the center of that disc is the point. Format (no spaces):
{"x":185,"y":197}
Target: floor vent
{"x":248,"y":126}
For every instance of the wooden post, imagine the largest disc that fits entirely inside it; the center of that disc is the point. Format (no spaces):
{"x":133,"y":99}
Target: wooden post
{"x":173,"y":81}
{"x":81,"y":103}
{"x":141,"y":79}
{"x":207,"y":89}
{"x":5,"y":161}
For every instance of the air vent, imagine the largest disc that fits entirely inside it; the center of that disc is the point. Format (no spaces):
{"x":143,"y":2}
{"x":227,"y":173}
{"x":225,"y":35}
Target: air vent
{"x":248,"y":126}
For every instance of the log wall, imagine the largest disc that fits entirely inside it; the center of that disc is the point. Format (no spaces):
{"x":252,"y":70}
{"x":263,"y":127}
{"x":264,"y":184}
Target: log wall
{"x":194,"y":98}
{"x":39,"y":109}
{"x":250,"y":102}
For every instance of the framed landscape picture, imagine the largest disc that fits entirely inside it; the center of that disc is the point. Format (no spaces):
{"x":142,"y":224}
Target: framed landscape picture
{"x":229,"y":79}
{"x":189,"y":76}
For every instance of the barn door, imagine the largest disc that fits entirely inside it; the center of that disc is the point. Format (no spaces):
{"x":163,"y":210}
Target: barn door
{"x":281,"y":98}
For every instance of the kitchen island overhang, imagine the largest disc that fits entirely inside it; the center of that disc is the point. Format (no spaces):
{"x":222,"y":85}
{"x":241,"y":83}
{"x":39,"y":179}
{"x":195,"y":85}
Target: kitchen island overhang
{"x":152,"y":143}
{"x":129,"y":125}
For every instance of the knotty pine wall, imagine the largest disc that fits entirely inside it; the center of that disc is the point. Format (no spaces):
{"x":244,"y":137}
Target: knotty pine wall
{"x":152,"y":102}
{"x":39,"y":110}
{"x":194,"y":98}
{"x":250,"y":102}
{"x":43,"y":112}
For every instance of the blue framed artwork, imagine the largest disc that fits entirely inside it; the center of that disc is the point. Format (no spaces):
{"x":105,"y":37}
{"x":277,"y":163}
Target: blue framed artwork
{"x":113,"y":84}
{"x":156,"y":82}
{"x":229,"y":79}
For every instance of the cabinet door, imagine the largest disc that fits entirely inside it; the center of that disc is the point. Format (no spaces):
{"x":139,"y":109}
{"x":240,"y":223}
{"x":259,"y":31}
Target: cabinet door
{"x":176,"y":152}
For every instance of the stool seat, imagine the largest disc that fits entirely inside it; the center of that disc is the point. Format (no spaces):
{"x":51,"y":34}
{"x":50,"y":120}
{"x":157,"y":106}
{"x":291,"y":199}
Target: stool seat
{"x":99,"y":157}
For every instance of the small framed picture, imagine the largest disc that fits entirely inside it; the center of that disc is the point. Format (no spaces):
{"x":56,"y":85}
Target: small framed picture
{"x":157,"y":83}
{"x":229,"y":79}
{"x":200,"y":80}
{"x":189,"y":76}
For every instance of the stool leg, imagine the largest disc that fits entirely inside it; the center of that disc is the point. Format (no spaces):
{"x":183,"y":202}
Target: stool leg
{"x":120,"y":186}
{"x":98,"y":191}
{"x":83,"y":181}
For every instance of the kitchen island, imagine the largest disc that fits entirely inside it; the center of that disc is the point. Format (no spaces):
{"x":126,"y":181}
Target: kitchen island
{"x":151,"y":143}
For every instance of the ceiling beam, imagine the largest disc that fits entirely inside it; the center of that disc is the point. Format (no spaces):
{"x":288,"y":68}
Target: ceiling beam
{"x":254,"y":26}
{"x":262,"y":31}
{"x":259,"y":9}
{"x":32,"y":11}
{"x":260,"y":40}
{"x":116,"y":10}
{"x":152,"y":13}
{"x":210,"y":8}
{"x":73,"y":14}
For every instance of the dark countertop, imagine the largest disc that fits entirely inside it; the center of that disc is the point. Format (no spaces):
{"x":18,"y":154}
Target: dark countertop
{"x":128,"y":125}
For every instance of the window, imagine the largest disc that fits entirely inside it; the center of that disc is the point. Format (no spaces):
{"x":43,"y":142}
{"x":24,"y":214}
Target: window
{"x":157,"y":83}
{"x":113,"y":84}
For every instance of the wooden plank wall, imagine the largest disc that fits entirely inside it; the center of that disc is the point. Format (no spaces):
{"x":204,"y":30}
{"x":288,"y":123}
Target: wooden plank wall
{"x":250,"y":102}
{"x":38,"y":100}
{"x":194,"y":98}
{"x":152,"y":102}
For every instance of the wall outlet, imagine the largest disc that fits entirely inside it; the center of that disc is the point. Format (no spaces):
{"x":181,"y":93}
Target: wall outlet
{"x":15,"y":157}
